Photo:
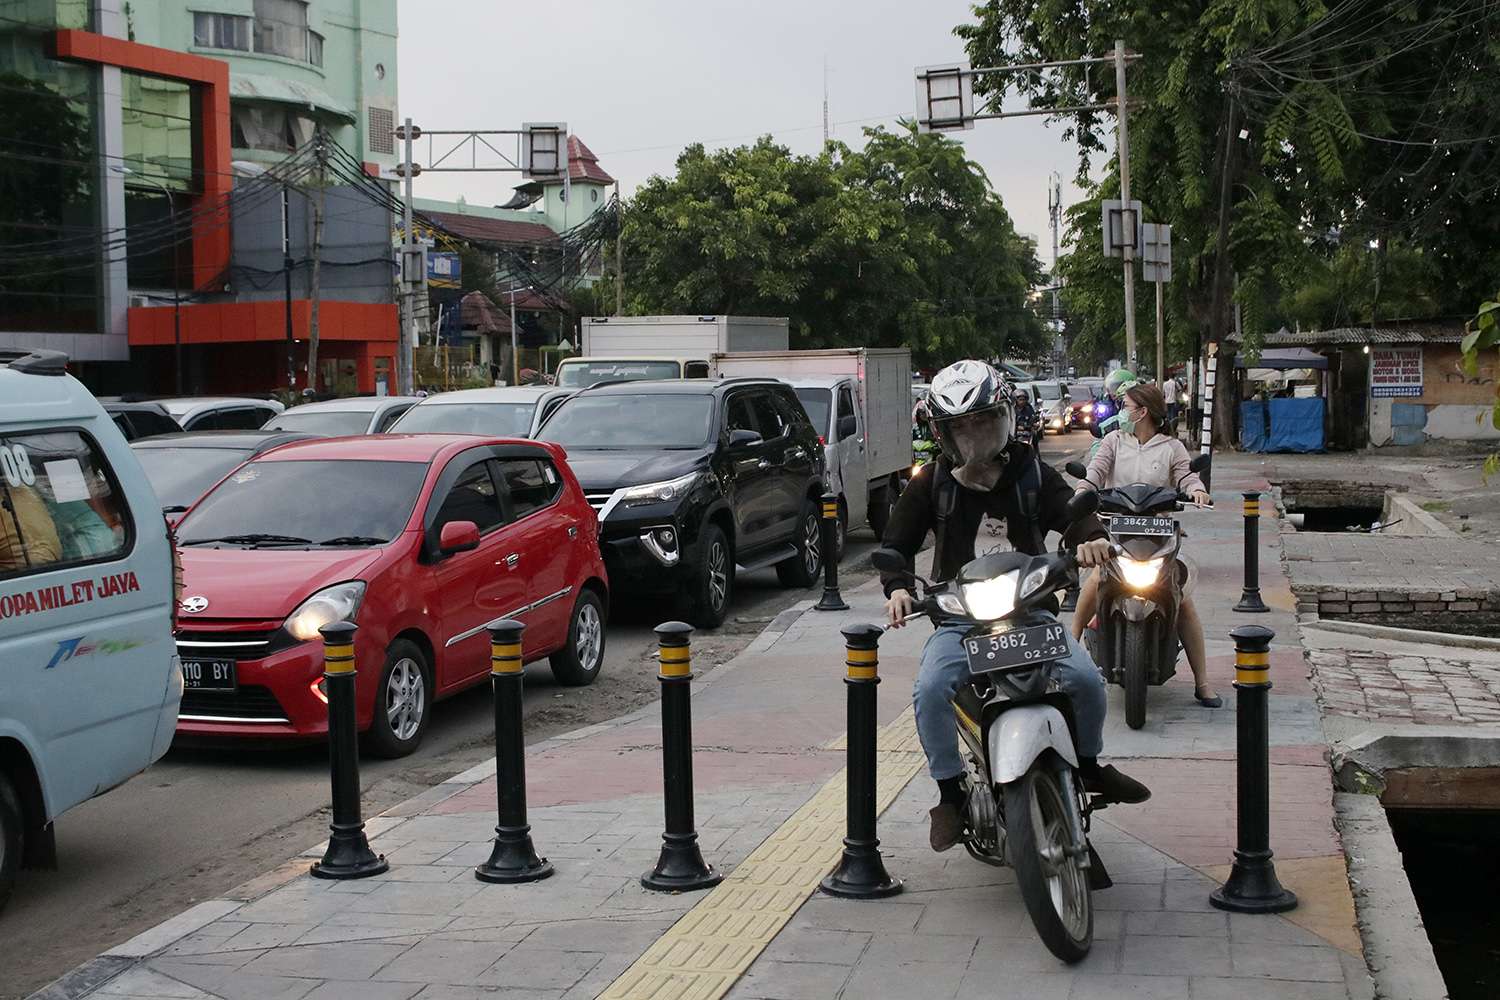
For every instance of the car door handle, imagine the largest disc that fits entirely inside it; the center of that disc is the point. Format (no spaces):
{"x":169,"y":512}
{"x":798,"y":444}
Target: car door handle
{"x":798,"y":453}
{"x":573,"y":531}
{"x":510,"y":561}
{"x":763,"y":464}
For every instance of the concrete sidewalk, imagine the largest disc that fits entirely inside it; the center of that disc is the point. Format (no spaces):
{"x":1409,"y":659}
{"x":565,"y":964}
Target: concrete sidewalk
{"x":769,"y":811}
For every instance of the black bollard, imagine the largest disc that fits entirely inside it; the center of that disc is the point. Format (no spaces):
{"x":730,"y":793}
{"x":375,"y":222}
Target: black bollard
{"x":832,"y":600}
{"x":861,"y":873}
{"x":1250,"y":600}
{"x":680,"y":866}
{"x":348,"y":854}
{"x":514,"y":858}
{"x":1252,"y":886}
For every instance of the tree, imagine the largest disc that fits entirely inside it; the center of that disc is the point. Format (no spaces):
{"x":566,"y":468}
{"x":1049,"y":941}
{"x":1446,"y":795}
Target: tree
{"x":901,"y":243}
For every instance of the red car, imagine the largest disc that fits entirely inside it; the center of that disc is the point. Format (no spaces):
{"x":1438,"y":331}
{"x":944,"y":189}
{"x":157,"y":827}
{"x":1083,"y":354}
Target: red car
{"x":421,"y":540}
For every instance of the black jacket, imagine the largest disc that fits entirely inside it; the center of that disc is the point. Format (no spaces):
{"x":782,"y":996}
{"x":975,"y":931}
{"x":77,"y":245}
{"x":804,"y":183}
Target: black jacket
{"x":915,"y":515}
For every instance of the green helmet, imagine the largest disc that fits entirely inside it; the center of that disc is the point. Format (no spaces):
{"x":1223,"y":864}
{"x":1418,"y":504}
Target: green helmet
{"x":1118,"y":381}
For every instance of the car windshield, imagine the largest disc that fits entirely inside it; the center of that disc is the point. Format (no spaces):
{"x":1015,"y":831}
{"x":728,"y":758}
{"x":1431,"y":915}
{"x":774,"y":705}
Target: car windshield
{"x":1049,"y":390}
{"x":491,"y":419}
{"x":181,"y":475}
{"x":581,"y":374}
{"x":334,"y":423}
{"x":292,"y":500}
{"x":1080,"y":392}
{"x":816,"y":402}
{"x":647,"y":420}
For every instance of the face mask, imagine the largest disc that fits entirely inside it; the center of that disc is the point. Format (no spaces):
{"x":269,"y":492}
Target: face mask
{"x":1126,"y":424}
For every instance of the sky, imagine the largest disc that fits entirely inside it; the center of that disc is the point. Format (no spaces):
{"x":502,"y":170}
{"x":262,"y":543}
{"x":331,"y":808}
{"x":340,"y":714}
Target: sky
{"x":639,"y":80}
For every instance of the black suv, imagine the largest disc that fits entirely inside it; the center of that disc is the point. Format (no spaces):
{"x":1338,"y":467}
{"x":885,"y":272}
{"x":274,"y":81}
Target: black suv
{"x":695,"y":479}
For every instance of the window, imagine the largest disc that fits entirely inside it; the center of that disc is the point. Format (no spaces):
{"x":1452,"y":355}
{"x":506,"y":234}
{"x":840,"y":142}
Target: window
{"x":315,"y":48}
{"x":771,"y":424}
{"x":739,"y":414}
{"x":472,"y":498}
{"x":846,"y":404}
{"x":221,"y":31}
{"x":272,"y":128}
{"x":281,"y":28}
{"x":58,"y":505}
{"x":531,"y":483}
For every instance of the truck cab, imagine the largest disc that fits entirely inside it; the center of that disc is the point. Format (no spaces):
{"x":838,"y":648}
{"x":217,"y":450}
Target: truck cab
{"x":89,"y":676}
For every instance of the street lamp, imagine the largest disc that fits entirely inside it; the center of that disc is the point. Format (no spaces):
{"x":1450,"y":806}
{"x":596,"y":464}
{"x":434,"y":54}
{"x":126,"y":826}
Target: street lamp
{"x":256,"y":170}
{"x":176,"y":294}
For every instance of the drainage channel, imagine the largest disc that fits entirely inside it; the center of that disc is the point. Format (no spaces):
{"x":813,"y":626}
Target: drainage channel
{"x":1452,"y":860}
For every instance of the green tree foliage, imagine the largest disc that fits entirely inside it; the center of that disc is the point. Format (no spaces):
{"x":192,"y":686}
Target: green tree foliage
{"x":1482,"y":333}
{"x":1324,"y":126}
{"x":901,"y":243}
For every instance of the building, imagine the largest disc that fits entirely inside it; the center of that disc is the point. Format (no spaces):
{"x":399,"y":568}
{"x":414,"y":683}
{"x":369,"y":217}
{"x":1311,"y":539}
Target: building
{"x":137,"y":225}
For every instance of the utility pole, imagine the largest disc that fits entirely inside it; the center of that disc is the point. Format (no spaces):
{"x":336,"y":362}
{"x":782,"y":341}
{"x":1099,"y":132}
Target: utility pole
{"x":317,"y":260}
{"x":1129,"y":247}
{"x":286,"y":271}
{"x":619,"y":253}
{"x":1054,"y":209}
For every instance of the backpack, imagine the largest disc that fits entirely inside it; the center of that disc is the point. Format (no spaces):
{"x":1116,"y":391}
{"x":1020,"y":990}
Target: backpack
{"x":1028,"y":487}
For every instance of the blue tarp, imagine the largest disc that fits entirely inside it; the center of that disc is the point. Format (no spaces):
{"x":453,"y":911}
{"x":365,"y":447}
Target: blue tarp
{"x":1295,"y":425}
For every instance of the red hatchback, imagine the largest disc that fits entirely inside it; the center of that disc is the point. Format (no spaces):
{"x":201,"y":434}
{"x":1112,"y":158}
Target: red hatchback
{"x":421,"y":540}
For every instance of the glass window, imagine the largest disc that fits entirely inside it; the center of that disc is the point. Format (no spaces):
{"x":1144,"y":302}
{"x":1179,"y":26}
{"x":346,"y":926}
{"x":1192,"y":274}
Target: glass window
{"x":221,"y":31}
{"x":647,"y":420}
{"x":532,"y":484}
{"x":181,"y":475}
{"x":315,"y":48}
{"x":472,"y":498}
{"x":281,"y":28}
{"x":771,"y":423}
{"x":291,"y":499}
{"x":489,"y":419}
{"x":740,"y":416}
{"x":816,"y":402}
{"x":334,"y":423}
{"x":58,"y":504}
{"x":579,"y":374}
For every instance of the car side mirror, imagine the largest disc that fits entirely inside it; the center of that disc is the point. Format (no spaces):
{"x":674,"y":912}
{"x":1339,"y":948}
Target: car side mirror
{"x":847,"y":426}
{"x":1082,"y":504}
{"x":1076,"y":470}
{"x":741,"y":438}
{"x":458,"y":536}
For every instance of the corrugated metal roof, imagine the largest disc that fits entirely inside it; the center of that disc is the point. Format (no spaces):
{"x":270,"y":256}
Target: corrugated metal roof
{"x":1416,"y":333}
{"x":484,"y":230}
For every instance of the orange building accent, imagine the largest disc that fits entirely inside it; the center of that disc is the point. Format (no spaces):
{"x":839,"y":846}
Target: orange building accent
{"x":210,"y":81}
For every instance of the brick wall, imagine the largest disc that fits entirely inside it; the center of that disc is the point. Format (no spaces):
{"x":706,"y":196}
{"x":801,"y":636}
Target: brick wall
{"x":1335,"y":603}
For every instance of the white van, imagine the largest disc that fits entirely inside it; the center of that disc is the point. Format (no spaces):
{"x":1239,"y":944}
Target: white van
{"x":89,"y":675}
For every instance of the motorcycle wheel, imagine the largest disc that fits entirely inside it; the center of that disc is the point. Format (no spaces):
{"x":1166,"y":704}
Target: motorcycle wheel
{"x":1053,"y":885}
{"x":1136,"y":648}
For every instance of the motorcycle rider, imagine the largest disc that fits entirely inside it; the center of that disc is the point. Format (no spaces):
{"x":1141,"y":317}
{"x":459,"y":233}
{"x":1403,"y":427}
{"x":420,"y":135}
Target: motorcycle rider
{"x":1026,"y":419}
{"x":987,"y":492}
{"x":1140,"y":451}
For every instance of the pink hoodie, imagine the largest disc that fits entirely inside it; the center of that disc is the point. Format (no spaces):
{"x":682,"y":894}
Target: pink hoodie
{"x":1161,"y":461}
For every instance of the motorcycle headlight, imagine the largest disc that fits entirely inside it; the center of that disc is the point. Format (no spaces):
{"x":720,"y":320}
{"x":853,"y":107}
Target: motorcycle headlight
{"x":993,"y":598}
{"x":339,"y":603}
{"x":1137,"y":573}
{"x":671,"y":489}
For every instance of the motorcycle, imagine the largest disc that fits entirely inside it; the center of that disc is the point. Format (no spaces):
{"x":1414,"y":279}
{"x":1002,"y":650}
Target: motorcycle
{"x":1026,"y":808}
{"x":1134,"y":637}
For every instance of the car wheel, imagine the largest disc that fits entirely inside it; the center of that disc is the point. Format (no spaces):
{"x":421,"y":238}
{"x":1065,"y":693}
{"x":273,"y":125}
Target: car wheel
{"x":578,"y":662}
{"x":403,"y":702}
{"x":802,"y":569}
{"x":12,"y":838}
{"x":706,"y":601}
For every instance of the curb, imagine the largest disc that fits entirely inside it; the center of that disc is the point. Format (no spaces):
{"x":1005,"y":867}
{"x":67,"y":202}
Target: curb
{"x":1401,"y":634}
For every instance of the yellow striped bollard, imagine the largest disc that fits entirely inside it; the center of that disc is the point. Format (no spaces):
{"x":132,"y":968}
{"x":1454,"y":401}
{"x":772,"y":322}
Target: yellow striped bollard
{"x":514,"y":858}
{"x":1252,"y":886}
{"x":348,"y":854}
{"x":1250,"y":600}
{"x":831,"y":600}
{"x":861,"y":872}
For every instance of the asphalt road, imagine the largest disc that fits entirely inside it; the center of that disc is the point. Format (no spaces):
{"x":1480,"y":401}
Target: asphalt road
{"x":200,"y":822}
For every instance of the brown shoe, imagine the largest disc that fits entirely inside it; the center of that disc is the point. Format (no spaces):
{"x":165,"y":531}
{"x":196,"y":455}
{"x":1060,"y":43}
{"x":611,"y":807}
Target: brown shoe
{"x":947,"y":826}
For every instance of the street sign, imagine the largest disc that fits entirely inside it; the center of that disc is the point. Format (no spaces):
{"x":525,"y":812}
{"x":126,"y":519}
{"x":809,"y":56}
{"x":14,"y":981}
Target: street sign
{"x":1122,"y":227}
{"x":945,"y":98}
{"x":1156,"y":252}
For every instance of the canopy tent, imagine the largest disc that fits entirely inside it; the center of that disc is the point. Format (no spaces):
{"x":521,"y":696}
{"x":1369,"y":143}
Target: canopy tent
{"x":1283,"y":358}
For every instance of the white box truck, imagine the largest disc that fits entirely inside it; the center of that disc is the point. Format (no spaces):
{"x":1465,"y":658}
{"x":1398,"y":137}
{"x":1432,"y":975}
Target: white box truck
{"x":621,"y":348}
{"x":859,"y":399}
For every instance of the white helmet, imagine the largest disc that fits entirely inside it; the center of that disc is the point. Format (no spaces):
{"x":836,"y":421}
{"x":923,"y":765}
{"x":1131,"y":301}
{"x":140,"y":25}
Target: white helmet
{"x":964,"y":390}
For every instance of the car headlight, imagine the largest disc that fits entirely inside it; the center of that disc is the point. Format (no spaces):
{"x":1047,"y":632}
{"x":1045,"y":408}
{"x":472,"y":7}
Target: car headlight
{"x":339,"y":603}
{"x":1139,"y":574}
{"x":993,"y":598}
{"x":671,"y":489}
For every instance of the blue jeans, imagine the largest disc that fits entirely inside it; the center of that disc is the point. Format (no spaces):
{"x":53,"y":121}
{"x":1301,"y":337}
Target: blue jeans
{"x":944,"y":667}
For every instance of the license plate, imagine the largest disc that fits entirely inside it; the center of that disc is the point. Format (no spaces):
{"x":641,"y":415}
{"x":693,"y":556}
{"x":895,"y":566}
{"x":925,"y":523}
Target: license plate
{"x":1017,"y":648}
{"x":208,"y":675}
{"x":1126,"y":525}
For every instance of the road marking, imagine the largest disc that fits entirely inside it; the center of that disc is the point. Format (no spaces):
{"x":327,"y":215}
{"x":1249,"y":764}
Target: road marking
{"x":712,"y":945}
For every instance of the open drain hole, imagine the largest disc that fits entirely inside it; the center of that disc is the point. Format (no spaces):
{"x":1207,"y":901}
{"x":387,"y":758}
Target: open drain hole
{"x":1338,"y":518}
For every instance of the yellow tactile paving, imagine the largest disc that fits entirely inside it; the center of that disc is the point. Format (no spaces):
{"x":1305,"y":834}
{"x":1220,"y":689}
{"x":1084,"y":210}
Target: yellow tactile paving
{"x":712,"y":945}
